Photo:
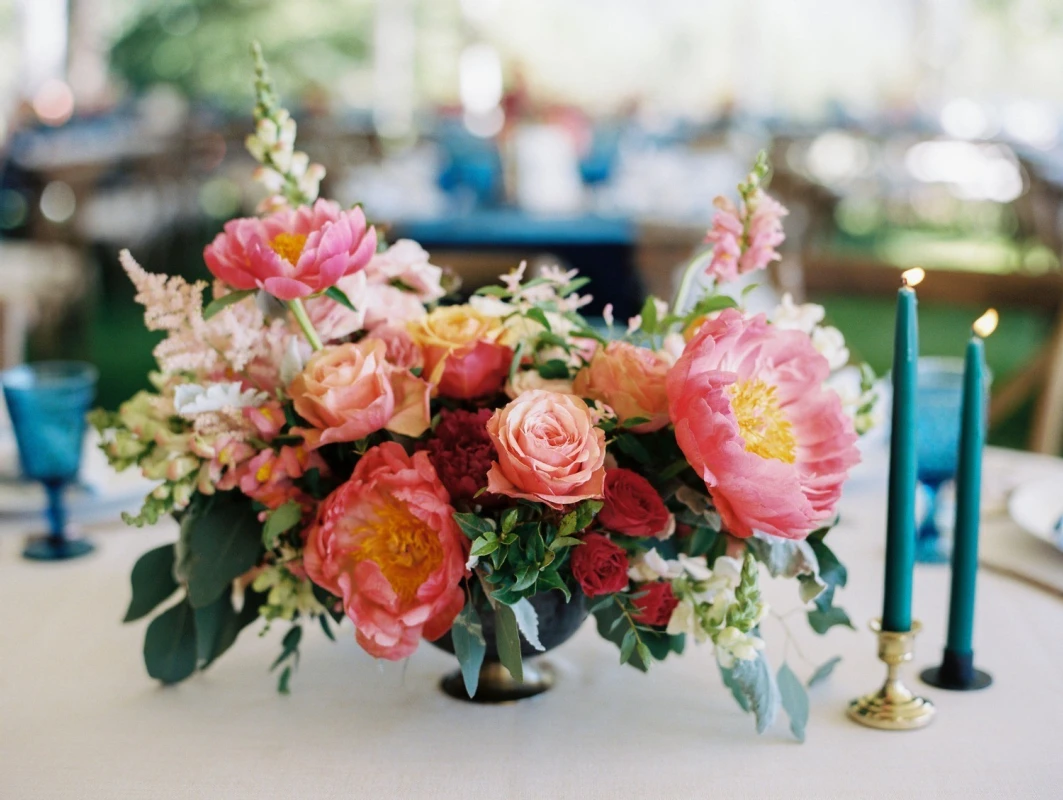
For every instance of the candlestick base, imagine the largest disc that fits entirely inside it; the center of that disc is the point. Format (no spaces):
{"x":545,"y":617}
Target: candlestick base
{"x":894,"y":707}
{"x":957,"y":673}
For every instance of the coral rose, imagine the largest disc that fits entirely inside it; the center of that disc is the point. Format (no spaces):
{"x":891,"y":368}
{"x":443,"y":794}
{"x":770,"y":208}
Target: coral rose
{"x":599,"y":565}
{"x":292,"y":253}
{"x":387,"y":544}
{"x":656,"y":604}
{"x":349,"y":391}
{"x":633,"y":507}
{"x":547,"y":450}
{"x":463,"y":355}
{"x":631,"y":380}
{"x":756,"y":422}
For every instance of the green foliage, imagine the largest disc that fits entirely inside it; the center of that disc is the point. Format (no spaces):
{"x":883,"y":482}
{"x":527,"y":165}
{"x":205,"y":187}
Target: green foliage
{"x":823,"y":671}
{"x":825,"y":615}
{"x":218,"y":625}
{"x":338,"y":295}
{"x":507,"y":640}
{"x":170,"y":648}
{"x":223,"y":302}
{"x":153,"y":582}
{"x":753,"y":680}
{"x":469,"y":646}
{"x":640,"y":645}
{"x":221,"y":539}
{"x":279,"y":521}
{"x":794,"y":701}
{"x":289,"y":654}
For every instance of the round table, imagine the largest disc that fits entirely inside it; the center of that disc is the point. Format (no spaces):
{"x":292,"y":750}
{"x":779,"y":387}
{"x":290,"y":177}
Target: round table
{"x":79,"y":718}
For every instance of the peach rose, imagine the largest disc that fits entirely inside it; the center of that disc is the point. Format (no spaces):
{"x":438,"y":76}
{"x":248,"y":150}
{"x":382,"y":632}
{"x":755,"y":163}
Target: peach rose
{"x":349,"y":391}
{"x":387,"y":544}
{"x":463,"y":354}
{"x":548,"y":450}
{"x":631,"y":380}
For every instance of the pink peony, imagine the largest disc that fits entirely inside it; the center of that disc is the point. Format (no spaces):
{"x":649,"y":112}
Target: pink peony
{"x":744,"y":238}
{"x":387,"y":544}
{"x":405,"y":266}
{"x":630,"y":380}
{"x":349,"y":391}
{"x":292,"y":253}
{"x":755,"y":421}
{"x":548,"y":450}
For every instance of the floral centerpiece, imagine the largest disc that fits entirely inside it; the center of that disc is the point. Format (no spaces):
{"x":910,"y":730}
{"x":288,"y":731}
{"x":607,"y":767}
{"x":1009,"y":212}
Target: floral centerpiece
{"x":341,"y":439}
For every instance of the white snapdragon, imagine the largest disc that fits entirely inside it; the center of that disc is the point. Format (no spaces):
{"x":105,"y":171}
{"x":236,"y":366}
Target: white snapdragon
{"x":830,"y":343}
{"x":733,"y":645}
{"x":792,"y":316}
{"x":191,"y":399}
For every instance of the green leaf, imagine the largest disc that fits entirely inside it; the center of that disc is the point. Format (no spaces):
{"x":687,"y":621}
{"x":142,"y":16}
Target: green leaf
{"x":526,"y":577}
{"x":574,"y":285}
{"x":152,"y":581}
{"x":754,"y":680}
{"x":643,"y":652}
{"x":822,"y":620}
{"x":285,"y":679}
{"x":220,"y":303}
{"x":630,"y":445}
{"x":218,"y":625}
{"x":280,"y":520}
{"x":323,"y":619}
{"x":507,"y":641}
{"x":823,"y":671}
{"x":469,"y":646}
{"x":551,"y":580}
{"x":794,"y":701}
{"x":736,"y":689}
{"x":483,"y":547}
{"x":170,"y":644}
{"x":289,"y":645}
{"x":564,"y":541}
{"x":528,"y":623}
{"x":337,"y":294}
{"x":568,"y":524}
{"x":473,"y":525}
{"x":493,"y":291}
{"x":221,"y":539}
{"x":627,"y":644}
{"x":585,"y":512}
{"x":673,"y":469}
{"x":509,"y":519}
{"x":554,"y":369}
{"x":649,"y":316}
{"x":831,"y":570}
{"x":539,"y":316}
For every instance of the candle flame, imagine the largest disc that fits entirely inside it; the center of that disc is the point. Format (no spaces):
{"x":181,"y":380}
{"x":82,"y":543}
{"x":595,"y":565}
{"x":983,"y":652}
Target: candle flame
{"x":913,"y":277}
{"x":987,"y":323}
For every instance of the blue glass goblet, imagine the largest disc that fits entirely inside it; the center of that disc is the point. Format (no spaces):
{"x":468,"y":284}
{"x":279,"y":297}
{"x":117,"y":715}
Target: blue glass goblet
{"x":939,"y":395}
{"x":47,"y":402}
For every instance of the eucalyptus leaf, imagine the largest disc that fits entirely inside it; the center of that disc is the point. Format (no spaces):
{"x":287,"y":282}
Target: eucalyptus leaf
{"x":823,"y":671}
{"x":822,"y":620}
{"x":153,"y":582}
{"x":786,"y":558}
{"x":170,"y":644}
{"x":754,"y":680}
{"x":736,"y":689}
{"x":528,"y":623}
{"x":469,"y":646}
{"x":507,"y":641}
{"x":794,"y":701}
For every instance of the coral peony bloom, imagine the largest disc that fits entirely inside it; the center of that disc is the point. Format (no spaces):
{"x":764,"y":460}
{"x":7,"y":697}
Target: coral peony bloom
{"x":599,"y":565}
{"x":756,"y":422}
{"x":744,"y":238}
{"x":547,"y":450}
{"x":633,"y":507}
{"x":387,"y":544}
{"x":292,"y":253}
{"x":631,"y":380}
{"x":463,"y":355}
{"x":656,"y":604}
{"x":349,"y":391}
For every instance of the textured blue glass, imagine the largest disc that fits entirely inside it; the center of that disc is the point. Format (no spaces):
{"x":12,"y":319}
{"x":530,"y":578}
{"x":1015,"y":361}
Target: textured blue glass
{"x":47,"y":402}
{"x":939,"y":394}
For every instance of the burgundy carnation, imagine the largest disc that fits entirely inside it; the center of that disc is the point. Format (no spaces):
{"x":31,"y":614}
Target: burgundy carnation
{"x":656,"y":605}
{"x":633,"y":507}
{"x":461,"y":451}
{"x":599,"y":565}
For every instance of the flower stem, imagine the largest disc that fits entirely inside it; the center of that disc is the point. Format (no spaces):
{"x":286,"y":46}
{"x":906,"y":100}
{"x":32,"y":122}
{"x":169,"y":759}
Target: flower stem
{"x":299,"y":310}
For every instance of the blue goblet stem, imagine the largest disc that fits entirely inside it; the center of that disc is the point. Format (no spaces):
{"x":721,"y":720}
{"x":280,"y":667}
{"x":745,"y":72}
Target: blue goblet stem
{"x":56,"y":510}
{"x":928,"y":542}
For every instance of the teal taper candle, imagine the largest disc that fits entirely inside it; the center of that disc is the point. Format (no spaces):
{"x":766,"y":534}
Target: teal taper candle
{"x":968,"y":499}
{"x":900,"y":513}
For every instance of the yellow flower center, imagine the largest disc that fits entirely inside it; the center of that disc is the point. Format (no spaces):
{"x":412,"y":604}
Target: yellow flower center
{"x":761,"y":422}
{"x":405,"y":548}
{"x":288,"y":246}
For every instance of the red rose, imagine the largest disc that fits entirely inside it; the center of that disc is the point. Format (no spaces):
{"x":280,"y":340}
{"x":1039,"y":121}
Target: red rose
{"x":633,"y":507}
{"x":656,"y":605}
{"x":599,"y":565}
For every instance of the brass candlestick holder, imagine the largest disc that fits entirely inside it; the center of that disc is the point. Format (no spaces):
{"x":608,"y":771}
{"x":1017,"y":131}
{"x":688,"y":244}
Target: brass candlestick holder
{"x":893,"y":707}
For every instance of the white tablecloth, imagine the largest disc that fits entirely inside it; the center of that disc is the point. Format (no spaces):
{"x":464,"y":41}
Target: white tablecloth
{"x":79,"y":718}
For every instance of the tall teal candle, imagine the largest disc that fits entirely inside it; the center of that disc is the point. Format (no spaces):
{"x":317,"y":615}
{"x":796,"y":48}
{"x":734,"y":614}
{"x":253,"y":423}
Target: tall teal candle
{"x":900,"y":513}
{"x":968,"y":499}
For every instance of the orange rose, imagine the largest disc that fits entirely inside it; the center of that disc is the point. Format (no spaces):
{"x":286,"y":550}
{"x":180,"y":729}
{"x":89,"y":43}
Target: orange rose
{"x":349,"y":391}
{"x":631,"y":380}
{"x":463,"y":354}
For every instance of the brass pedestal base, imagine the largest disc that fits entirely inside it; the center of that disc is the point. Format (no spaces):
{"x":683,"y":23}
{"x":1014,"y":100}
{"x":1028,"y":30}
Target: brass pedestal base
{"x":893,"y":707}
{"x":498,"y":686}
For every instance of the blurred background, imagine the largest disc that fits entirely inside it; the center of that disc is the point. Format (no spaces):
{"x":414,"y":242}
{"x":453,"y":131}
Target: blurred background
{"x":591,"y":132}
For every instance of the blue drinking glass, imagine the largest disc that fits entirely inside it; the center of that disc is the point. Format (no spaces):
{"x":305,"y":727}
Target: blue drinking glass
{"x":939,"y":395}
{"x":47,"y":403}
